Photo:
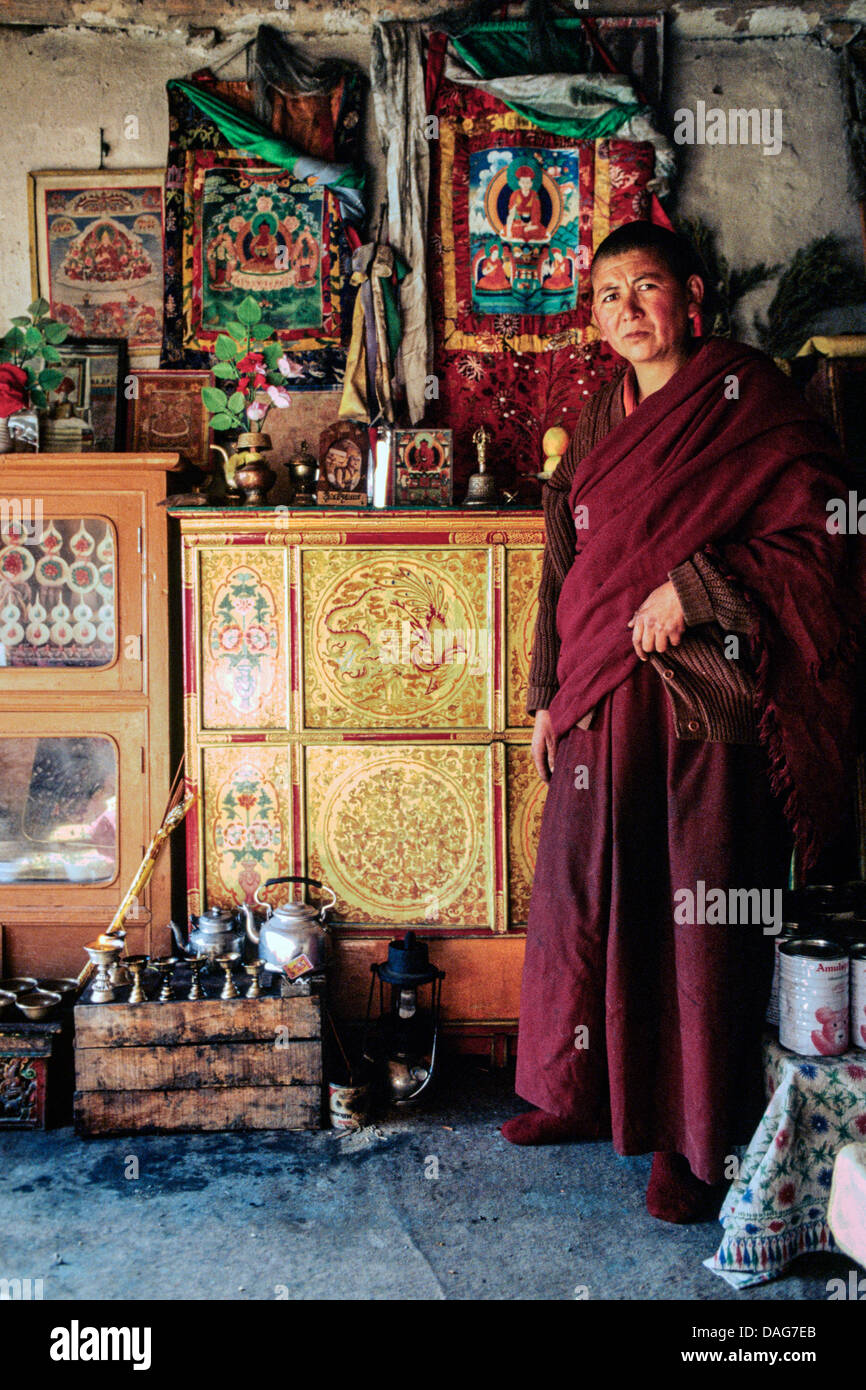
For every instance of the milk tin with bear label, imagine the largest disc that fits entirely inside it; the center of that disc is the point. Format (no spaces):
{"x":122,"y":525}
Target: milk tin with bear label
{"x":813,"y":997}
{"x":857,"y":953}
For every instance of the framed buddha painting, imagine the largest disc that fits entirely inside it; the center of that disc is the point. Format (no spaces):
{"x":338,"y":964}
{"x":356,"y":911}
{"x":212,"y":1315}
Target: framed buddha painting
{"x":96,"y":252}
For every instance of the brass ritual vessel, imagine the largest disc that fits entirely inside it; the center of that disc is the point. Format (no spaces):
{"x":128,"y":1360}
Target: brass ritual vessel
{"x":228,"y":962}
{"x":165,"y":967}
{"x":196,"y":965}
{"x":304,"y":469}
{"x":103,"y":953}
{"x":136,"y":965}
{"x":254,"y":969}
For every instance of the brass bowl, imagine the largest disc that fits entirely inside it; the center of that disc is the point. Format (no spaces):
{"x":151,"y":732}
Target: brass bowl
{"x":66,"y":988}
{"x":7,"y":1002}
{"x":22,"y":984}
{"x":39,"y":1004}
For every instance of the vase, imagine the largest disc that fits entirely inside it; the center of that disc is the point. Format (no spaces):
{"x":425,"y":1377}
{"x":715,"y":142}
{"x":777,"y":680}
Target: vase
{"x":252,"y":474}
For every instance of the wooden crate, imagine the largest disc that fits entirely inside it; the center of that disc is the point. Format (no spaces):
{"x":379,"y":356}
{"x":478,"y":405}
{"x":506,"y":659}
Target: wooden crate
{"x":208,"y":1064}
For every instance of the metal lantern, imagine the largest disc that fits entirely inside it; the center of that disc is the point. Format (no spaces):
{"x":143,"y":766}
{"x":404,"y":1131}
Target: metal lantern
{"x":402,"y":1044}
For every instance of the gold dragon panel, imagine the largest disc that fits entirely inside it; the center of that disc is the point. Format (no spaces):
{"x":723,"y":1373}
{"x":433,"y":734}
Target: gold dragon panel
{"x":522,"y":577}
{"x":403,"y":834}
{"x":525,"y":797}
{"x":396,"y":639}
{"x":244,"y":642}
{"x":246,"y":815}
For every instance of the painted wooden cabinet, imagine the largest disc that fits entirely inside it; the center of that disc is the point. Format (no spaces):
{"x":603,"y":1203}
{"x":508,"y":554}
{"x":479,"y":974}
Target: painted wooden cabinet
{"x":354,"y":712}
{"x":84,"y":713}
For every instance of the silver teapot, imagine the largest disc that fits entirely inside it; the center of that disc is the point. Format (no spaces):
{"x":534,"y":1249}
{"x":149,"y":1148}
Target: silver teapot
{"x":291,"y":938}
{"x":214,"y":933}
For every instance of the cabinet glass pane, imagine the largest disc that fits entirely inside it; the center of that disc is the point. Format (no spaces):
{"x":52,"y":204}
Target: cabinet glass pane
{"x":58,"y":810}
{"x":57,"y":587}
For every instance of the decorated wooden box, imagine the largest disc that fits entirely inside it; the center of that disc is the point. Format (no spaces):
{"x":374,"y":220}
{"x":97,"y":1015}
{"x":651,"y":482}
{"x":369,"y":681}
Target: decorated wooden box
{"x":354,"y":710}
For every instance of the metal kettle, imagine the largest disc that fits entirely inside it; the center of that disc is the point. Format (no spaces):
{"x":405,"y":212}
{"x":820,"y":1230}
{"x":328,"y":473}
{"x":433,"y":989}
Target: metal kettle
{"x":292,"y":937}
{"x":214,"y":933}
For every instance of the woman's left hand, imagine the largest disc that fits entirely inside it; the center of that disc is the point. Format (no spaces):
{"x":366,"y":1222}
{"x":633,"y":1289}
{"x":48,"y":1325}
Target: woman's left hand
{"x":658,"y":621}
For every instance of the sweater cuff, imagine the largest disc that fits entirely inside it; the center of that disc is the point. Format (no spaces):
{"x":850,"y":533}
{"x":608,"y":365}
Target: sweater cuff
{"x":539,"y":697}
{"x":692,"y":594}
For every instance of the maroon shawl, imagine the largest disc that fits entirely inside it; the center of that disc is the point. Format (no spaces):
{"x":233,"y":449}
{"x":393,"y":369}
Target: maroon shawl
{"x":747,"y":480}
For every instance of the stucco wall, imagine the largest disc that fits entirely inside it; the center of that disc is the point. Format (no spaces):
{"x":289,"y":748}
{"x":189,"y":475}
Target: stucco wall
{"x":60,"y":84}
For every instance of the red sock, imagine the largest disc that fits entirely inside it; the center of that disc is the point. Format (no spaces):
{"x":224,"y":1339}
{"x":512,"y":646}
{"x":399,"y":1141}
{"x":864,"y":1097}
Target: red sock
{"x":675,"y":1194}
{"x":537,"y":1127}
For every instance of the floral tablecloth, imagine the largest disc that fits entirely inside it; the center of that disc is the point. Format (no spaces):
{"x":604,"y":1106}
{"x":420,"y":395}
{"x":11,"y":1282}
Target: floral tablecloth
{"x":776,"y":1209}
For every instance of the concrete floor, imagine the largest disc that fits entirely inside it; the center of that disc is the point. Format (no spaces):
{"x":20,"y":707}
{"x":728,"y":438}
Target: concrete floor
{"x":309,"y":1216}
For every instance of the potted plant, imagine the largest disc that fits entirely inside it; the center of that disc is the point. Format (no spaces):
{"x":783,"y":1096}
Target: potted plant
{"x":254,"y":368}
{"x":28,"y":364}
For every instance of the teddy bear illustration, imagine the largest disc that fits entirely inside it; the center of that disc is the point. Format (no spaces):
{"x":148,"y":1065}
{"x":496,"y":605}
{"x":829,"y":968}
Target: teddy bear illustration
{"x":833,"y":1037}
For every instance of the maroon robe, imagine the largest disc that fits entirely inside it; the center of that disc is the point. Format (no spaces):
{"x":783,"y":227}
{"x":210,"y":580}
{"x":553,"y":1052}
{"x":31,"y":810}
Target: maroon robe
{"x":672,"y":1012}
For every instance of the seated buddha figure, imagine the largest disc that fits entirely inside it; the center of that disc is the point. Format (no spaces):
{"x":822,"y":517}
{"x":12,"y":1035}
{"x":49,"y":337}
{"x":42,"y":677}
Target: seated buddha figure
{"x":524,"y":210}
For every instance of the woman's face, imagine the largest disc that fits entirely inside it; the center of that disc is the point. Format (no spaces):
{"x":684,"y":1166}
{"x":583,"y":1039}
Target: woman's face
{"x":641,"y":309}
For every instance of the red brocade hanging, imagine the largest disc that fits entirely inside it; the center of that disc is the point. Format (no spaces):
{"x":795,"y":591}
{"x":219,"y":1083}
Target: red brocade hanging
{"x":516,"y":214}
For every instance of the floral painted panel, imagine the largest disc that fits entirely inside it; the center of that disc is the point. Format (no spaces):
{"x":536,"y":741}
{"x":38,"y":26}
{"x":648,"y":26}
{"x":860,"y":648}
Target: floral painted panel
{"x":525,"y":797}
{"x":397,"y":640}
{"x":245,"y":671}
{"x":403,"y":834}
{"x":246,"y":813}
{"x":522,"y":578}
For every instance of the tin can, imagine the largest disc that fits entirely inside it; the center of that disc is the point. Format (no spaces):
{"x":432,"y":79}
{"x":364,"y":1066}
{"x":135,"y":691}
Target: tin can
{"x":813,"y":997}
{"x":857,"y":955}
{"x":788,"y":933}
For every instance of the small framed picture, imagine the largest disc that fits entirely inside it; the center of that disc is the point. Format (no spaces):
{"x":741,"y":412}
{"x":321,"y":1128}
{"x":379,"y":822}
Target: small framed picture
{"x":85,"y":411}
{"x":344,"y":465}
{"x":423,"y":468}
{"x":164,"y":410}
{"x":96,"y":252}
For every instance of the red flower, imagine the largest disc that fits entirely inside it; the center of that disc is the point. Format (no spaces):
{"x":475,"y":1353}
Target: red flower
{"x":777,"y":1226}
{"x":856,"y":1073}
{"x":246,"y":799}
{"x":261,"y":381}
{"x":243,"y":383}
{"x":781,"y":1139}
{"x":253,"y":362}
{"x":860,"y":1122}
{"x":787,"y":1193}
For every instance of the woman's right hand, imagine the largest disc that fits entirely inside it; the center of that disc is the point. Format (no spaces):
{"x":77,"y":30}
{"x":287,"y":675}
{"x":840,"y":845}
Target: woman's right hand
{"x":543,"y":745}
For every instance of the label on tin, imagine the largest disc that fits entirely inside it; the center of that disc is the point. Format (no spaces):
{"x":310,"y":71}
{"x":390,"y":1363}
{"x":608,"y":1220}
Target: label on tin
{"x":813,"y":1003}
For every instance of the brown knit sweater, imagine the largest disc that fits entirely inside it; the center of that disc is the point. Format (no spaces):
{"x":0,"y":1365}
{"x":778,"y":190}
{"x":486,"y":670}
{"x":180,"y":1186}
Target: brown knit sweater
{"x":712,"y":695}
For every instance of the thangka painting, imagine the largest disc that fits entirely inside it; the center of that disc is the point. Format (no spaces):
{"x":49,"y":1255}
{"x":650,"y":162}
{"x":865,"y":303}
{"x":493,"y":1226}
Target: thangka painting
{"x":257,"y":230}
{"x":516,"y":215}
{"x":524,"y":230}
{"x":422,"y":472}
{"x":97,"y":252}
{"x":236,"y":226}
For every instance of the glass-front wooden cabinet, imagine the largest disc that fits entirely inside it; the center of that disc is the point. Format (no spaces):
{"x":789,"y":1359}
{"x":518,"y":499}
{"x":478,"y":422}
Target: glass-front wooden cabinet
{"x":84,"y":707}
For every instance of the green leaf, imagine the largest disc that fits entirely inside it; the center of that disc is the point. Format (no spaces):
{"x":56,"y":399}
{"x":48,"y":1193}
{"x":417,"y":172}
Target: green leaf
{"x":38,"y":308}
{"x":222,"y":421}
{"x":225,"y":348}
{"x":262,"y":331}
{"x":14,"y":339}
{"x":50,"y":354}
{"x":236,"y":401}
{"x":272,"y":352}
{"x":38,"y":396}
{"x":214,"y":398}
{"x":50,"y":378}
{"x":237,"y":330}
{"x":224,"y":370}
{"x":33,"y":338}
{"x":21,"y":320}
{"x":249,"y":311}
{"x":55,"y":332}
